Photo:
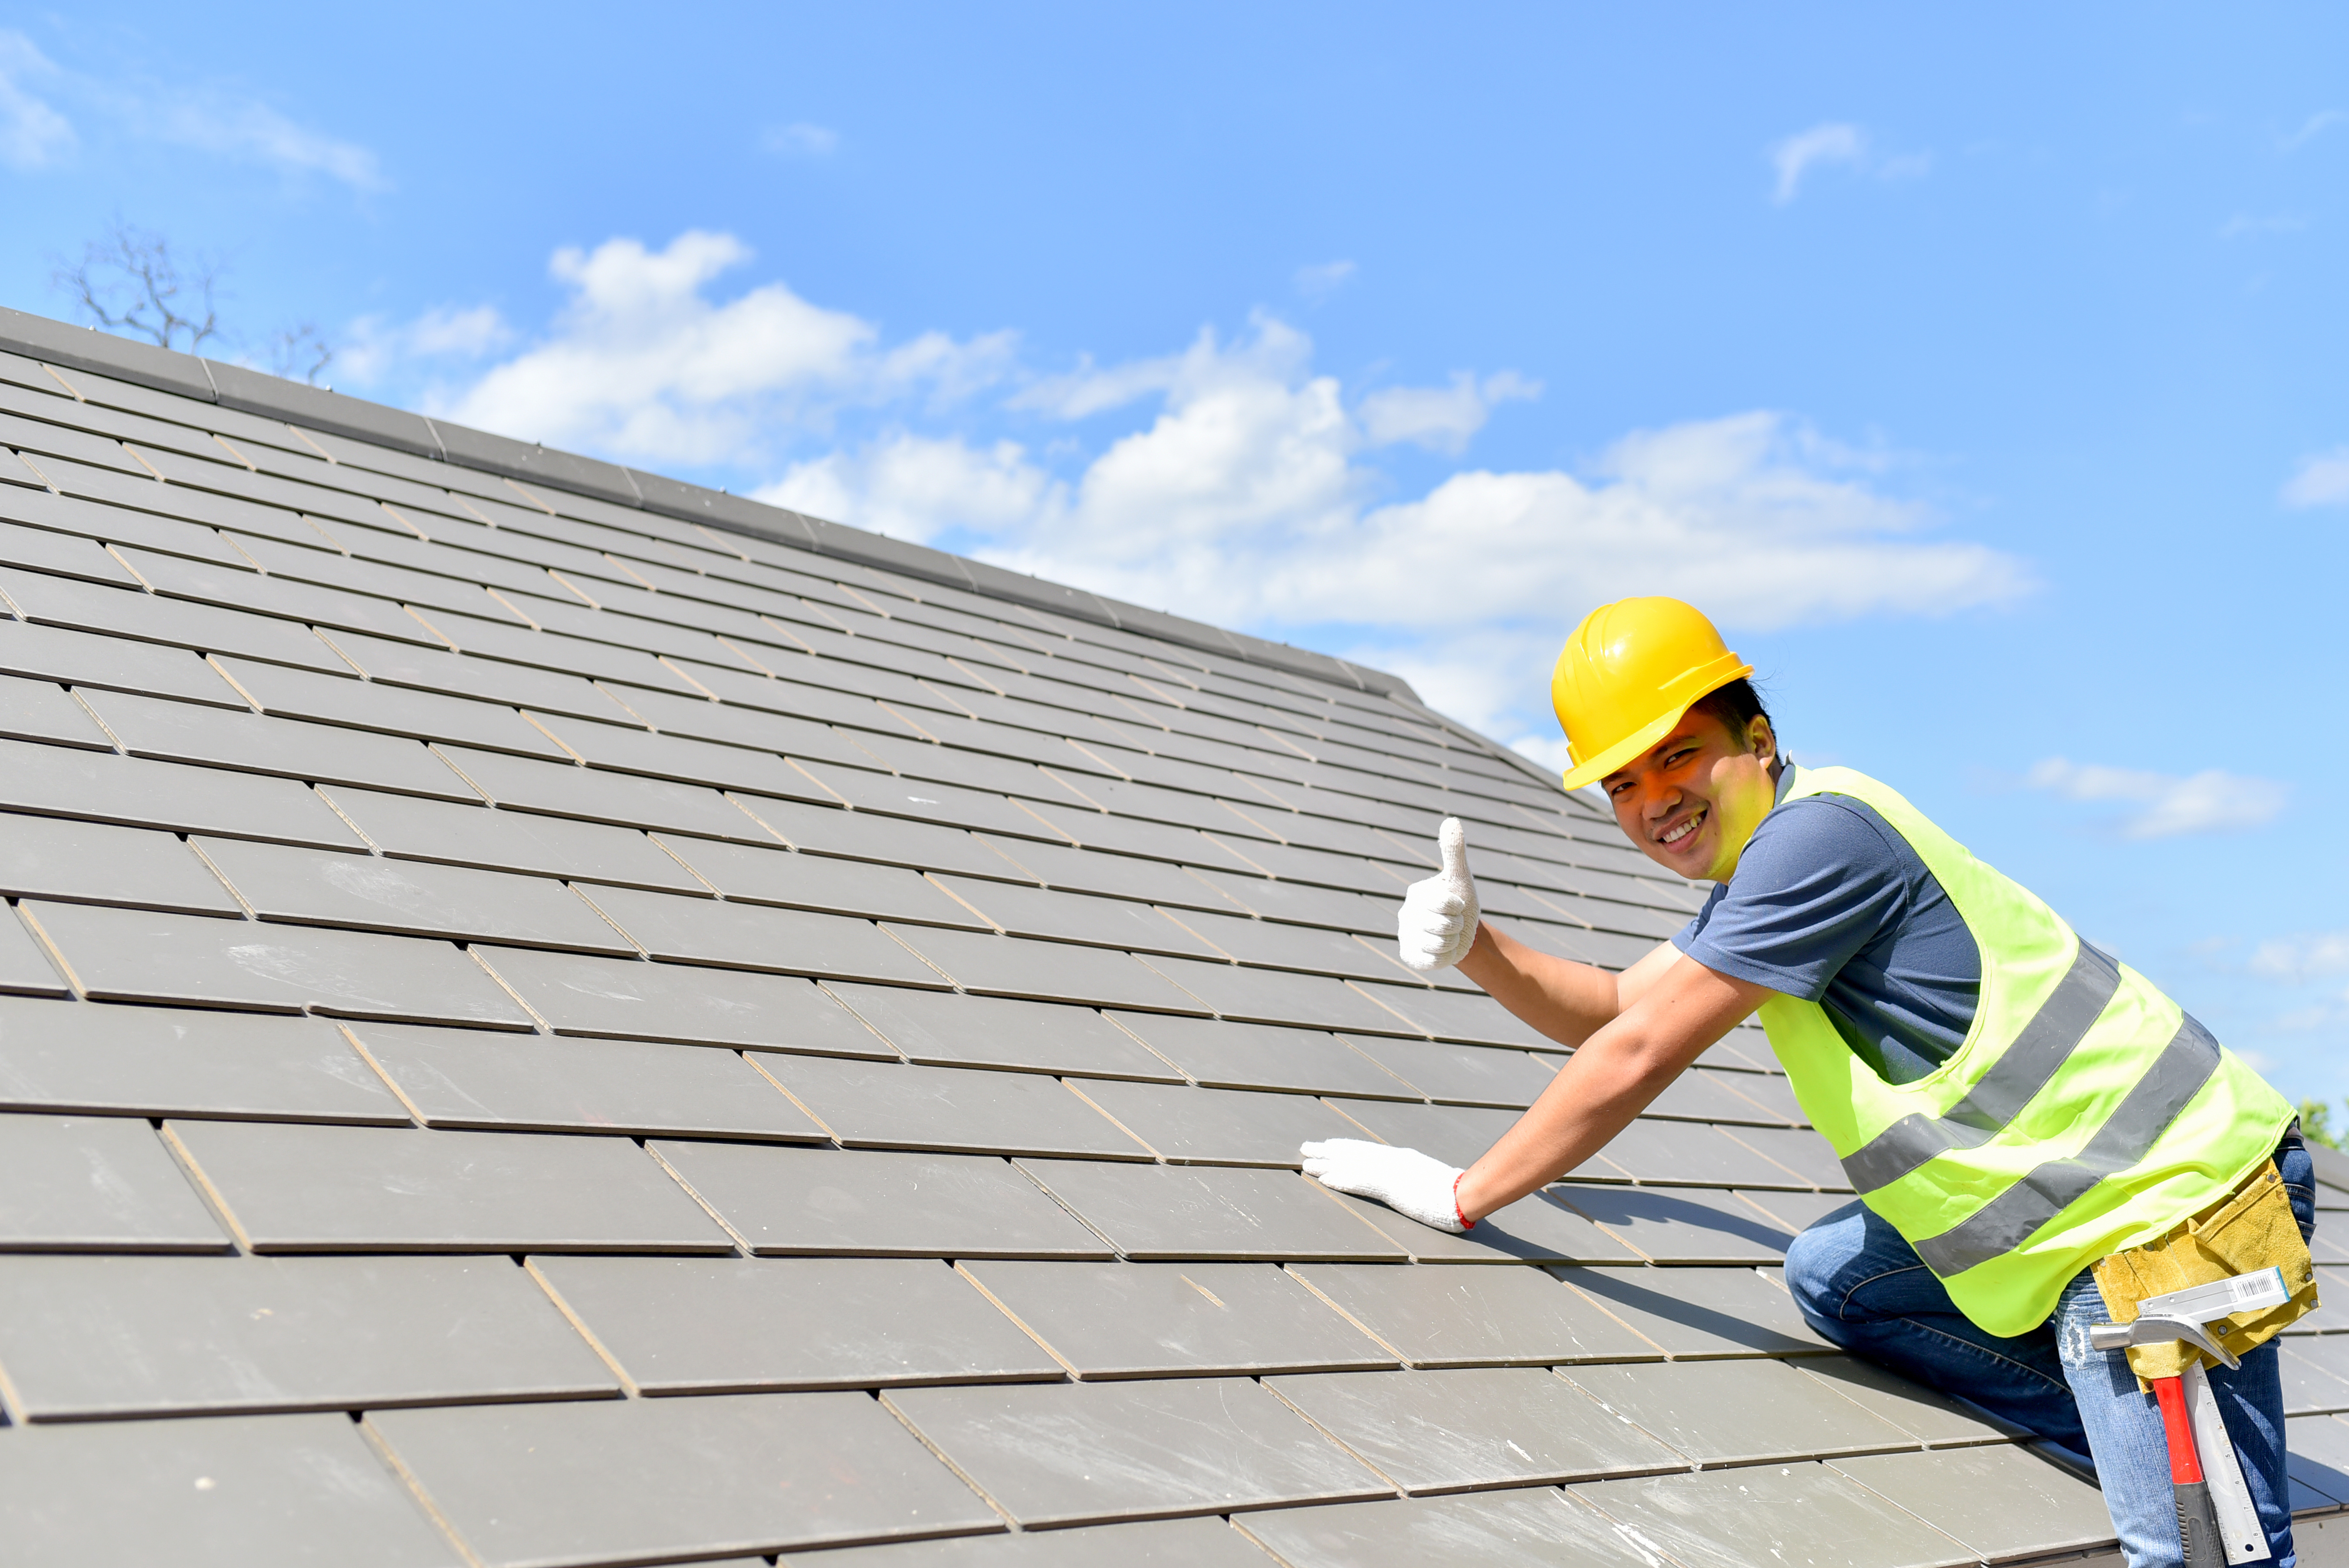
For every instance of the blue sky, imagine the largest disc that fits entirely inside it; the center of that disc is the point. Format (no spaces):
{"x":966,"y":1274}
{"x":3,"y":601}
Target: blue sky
{"x":1982,"y":373}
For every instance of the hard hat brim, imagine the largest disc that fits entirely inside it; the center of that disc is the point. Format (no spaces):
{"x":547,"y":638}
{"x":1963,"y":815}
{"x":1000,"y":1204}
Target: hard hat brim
{"x":1646,"y":735}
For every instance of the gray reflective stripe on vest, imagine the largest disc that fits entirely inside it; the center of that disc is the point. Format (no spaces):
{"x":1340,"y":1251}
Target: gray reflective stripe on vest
{"x":2137,"y":1124}
{"x":2035,"y":1056}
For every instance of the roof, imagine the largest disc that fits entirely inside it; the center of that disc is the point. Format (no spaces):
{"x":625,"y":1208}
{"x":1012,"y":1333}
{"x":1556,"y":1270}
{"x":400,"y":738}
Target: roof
{"x":551,"y":1016}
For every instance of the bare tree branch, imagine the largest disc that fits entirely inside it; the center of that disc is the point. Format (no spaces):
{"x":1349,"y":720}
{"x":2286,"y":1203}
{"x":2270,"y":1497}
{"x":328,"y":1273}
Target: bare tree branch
{"x":299,"y":352}
{"x":129,"y":281}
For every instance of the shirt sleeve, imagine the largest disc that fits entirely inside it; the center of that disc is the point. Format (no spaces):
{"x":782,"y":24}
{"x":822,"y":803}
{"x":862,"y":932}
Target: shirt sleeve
{"x":1818,"y":883}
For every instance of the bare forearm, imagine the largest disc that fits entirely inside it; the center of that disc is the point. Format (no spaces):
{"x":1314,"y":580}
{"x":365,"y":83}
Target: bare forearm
{"x":1566,"y":1000}
{"x":1617,"y":1072}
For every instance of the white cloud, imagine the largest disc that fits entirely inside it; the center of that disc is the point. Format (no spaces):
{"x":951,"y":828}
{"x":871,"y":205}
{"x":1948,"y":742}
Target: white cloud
{"x":1238,"y":485}
{"x":32,"y":133}
{"x":914,"y":487}
{"x":1441,"y":419}
{"x":1836,"y":143}
{"x":1829,"y":143}
{"x":1319,"y":282}
{"x":248,"y":129}
{"x":373,"y":349}
{"x":2208,"y":802}
{"x":643,"y":366}
{"x":800,"y":140}
{"x":2322,"y":480}
{"x":2301,"y":958}
{"x":2315,"y":125}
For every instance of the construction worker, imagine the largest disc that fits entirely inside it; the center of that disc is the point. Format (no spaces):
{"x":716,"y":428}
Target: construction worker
{"x":2013,"y":1106}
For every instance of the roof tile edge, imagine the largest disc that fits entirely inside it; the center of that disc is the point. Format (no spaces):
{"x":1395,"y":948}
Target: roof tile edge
{"x":257,"y":392}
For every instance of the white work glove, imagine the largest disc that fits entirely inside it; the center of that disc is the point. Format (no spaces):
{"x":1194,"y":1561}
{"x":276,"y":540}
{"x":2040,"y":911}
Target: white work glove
{"x":1405,"y":1180}
{"x":1437,"y":923}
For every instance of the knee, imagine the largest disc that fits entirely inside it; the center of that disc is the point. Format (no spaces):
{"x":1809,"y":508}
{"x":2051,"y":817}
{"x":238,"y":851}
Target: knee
{"x":1819,"y":1267}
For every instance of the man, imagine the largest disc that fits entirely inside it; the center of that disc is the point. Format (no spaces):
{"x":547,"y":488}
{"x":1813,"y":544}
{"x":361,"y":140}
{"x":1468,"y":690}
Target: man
{"x":2013,"y":1105}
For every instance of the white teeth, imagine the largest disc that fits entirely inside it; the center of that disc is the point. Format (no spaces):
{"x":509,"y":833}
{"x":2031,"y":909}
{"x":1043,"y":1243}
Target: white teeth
{"x":1684,"y":830}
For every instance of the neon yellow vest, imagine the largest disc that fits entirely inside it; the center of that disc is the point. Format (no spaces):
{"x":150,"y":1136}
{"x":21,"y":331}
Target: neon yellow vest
{"x":2084,"y":1114}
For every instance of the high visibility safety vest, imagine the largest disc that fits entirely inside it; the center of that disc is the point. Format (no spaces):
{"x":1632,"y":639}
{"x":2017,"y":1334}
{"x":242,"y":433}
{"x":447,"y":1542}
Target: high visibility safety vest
{"x":2085,"y":1113}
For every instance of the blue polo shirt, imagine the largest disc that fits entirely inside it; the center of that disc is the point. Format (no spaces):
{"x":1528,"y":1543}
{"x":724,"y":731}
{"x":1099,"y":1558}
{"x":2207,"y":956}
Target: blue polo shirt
{"x":1830,"y":904}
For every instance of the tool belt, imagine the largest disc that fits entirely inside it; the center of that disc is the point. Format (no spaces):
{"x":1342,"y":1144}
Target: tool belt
{"x":2251,"y":1229}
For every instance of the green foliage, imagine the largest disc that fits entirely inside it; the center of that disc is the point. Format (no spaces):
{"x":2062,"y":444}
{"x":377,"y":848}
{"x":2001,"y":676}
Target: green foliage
{"x":2316,"y":1124}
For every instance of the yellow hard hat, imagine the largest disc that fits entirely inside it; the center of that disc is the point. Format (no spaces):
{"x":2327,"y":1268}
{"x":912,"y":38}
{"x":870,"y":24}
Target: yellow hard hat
{"x":1628,"y":673}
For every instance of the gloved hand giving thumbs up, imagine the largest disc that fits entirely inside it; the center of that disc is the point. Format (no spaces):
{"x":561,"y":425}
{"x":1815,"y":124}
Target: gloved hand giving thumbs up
{"x":1437,"y":923}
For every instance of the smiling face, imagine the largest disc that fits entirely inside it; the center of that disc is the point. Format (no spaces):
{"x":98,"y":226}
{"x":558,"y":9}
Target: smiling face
{"x":1691,"y":801}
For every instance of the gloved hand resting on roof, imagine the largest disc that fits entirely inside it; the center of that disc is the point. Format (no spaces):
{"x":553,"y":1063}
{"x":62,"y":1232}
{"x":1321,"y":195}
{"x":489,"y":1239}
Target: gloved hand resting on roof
{"x":1437,"y":923}
{"x":1405,"y":1180}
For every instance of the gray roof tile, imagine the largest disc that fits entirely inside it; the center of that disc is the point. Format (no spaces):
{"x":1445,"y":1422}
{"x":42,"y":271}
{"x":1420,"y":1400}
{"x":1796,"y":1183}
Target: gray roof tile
{"x":370,"y":892}
{"x":1699,"y":1095}
{"x":42,"y":711}
{"x":1208,"y":1542}
{"x":1456,"y":1135}
{"x":586,"y":795}
{"x":639,"y":1479}
{"x":1681,"y":1224}
{"x":81,"y":1184}
{"x":1691,"y":1318}
{"x":705,"y":1325}
{"x":874,"y":1202}
{"x":1228,"y":1056}
{"x":758,"y":936}
{"x":234,"y":586}
{"x":94,"y":862}
{"x":84,"y":1336}
{"x":302,"y":1188}
{"x":151,"y":618}
{"x":1536,"y":1228}
{"x":67,"y":515}
{"x":2001,"y":1501}
{"x":1930,"y":1418}
{"x":1209,"y":1212}
{"x":89,"y":658}
{"x":1024,"y":911}
{"x":863,"y":836}
{"x":1474,"y":1427}
{"x":469,"y":1078}
{"x":404,"y":664}
{"x":1737,"y":1412}
{"x":39,"y":550}
{"x":1112,"y":876}
{"x":390,"y":710}
{"x":1803,"y":1152}
{"x":1272,"y":944}
{"x":636,"y":1001}
{"x":747,"y":874}
{"x":1532,"y":1527}
{"x":997,"y":1031}
{"x":1273,"y":996}
{"x":1473,"y":1019}
{"x":1181,"y":1320}
{"x":1735,"y":1516}
{"x":1463,"y":1075}
{"x":1187,"y":1125}
{"x":678,"y":758}
{"x":1075,"y":1453}
{"x":1476,"y":1317}
{"x":155,"y":1061}
{"x":255,"y":742}
{"x":132,"y":955}
{"x":1674,"y":1152}
{"x":102,"y":787}
{"x":472,"y":835}
{"x":877,"y":1105}
{"x":1049,"y":971}
{"x":216,"y":1493}
{"x":920,"y":800}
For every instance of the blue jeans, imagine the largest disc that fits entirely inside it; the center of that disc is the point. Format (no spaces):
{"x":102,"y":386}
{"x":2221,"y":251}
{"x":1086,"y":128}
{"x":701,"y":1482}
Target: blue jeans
{"x":1865,"y":1288}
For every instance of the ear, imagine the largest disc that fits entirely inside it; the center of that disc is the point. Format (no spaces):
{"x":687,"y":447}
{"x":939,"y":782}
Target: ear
{"x":1761,"y":739}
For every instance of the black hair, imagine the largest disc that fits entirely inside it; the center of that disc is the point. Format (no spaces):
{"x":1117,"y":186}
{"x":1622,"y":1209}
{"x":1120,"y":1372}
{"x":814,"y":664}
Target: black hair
{"x":1736,"y":705}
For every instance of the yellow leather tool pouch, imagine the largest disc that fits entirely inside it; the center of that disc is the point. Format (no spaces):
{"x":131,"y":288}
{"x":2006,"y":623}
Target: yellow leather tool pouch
{"x":2251,"y":1229}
